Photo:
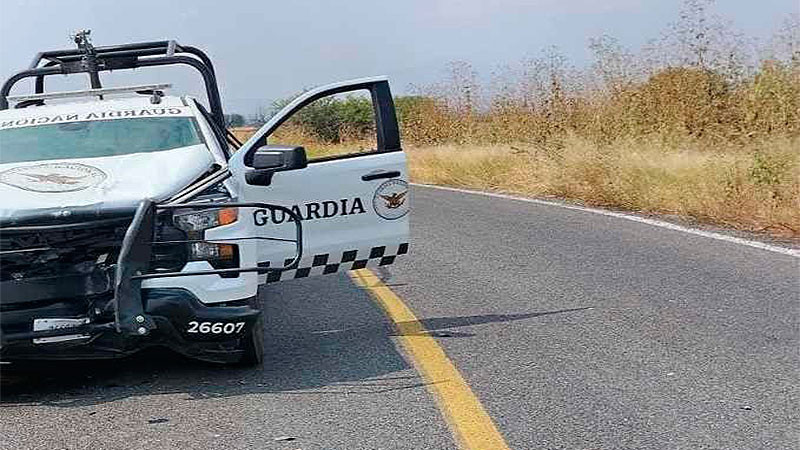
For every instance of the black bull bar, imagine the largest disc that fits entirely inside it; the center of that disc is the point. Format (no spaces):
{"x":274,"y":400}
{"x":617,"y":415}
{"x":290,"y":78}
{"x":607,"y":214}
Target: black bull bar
{"x":133,"y":266}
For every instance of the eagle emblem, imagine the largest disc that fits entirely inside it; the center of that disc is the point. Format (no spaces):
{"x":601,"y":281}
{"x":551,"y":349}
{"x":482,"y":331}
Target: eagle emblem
{"x":53,"y":178}
{"x":394,"y":201}
{"x":391,"y":199}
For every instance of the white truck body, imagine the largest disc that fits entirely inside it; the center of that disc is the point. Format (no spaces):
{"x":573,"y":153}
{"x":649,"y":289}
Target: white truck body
{"x":72,"y":159}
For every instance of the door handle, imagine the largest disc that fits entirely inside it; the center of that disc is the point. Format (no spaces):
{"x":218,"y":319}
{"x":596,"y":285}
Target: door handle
{"x":381,"y":174}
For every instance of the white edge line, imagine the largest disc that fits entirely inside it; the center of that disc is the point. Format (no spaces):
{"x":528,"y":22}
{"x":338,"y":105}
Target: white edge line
{"x":656,"y":223}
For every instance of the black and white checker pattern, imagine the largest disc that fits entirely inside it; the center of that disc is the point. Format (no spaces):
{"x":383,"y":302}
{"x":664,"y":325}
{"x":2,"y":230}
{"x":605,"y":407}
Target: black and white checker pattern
{"x":325,"y":263}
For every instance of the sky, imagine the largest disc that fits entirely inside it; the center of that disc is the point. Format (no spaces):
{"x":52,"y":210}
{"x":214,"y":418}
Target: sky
{"x":266,"y":50}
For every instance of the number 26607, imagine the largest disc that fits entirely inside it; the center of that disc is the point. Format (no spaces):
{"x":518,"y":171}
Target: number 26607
{"x":215,"y":327}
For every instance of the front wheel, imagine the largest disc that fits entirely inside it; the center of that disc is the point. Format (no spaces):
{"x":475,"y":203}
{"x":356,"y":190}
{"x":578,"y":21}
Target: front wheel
{"x":252,"y":345}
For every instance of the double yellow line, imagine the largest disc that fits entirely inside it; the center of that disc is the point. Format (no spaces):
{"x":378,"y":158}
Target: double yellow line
{"x":470,"y":423}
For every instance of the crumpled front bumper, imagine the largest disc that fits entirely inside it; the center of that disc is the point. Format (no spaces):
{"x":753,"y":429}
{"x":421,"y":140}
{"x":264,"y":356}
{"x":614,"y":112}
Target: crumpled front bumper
{"x":170,"y":310}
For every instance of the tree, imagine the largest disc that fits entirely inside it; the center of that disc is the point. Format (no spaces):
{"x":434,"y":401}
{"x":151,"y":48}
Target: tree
{"x":234,"y":120}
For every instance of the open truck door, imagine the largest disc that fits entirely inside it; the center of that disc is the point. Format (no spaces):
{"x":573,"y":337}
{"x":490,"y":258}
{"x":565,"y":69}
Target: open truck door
{"x":354,"y":206}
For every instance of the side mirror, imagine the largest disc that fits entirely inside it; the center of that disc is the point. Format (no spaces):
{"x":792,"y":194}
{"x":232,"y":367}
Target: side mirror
{"x":274,"y":158}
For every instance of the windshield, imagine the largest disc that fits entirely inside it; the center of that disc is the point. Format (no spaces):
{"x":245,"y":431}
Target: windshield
{"x":96,"y":138}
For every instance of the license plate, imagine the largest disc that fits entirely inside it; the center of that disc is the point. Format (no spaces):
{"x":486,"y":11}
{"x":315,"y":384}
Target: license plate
{"x":58,"y":324}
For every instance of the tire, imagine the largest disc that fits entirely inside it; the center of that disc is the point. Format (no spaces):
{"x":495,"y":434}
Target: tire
{"x":252,"y":345}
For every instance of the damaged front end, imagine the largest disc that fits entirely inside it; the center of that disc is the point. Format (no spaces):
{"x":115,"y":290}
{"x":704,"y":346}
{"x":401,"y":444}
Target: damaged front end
{"x":73,"y":289}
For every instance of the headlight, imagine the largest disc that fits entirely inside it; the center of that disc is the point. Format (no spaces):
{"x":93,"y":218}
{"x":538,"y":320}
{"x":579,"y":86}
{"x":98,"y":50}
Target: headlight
{"x":204,"y":251}
{"x":203,"y":220}
{"x":220,"y":256}
{"x":194,"y":223}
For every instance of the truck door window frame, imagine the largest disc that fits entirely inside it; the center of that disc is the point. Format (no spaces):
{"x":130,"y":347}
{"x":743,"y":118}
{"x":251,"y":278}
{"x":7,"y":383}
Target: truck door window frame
{"x":386,"y":127}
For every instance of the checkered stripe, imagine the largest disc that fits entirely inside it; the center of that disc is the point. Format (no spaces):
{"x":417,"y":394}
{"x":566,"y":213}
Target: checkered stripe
{"x":324,"y":263}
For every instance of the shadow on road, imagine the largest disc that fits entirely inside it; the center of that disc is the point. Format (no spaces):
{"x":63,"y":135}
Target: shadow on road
{"x":323,"y":336}
{"x":442,"y":326}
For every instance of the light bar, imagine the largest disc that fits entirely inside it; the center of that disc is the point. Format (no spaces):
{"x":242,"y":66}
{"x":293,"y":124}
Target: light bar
{"x":90,"y":92}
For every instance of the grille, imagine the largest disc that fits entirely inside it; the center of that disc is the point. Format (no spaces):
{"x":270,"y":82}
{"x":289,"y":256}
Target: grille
{"x":59,"y":251}
{"x":67,"y":251}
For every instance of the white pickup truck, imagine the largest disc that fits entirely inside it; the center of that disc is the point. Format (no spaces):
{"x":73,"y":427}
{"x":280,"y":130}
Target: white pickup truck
{"x":130,"y":218}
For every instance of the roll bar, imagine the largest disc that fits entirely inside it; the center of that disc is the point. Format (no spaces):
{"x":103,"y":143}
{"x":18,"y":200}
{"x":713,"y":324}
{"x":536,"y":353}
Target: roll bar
{"x":93,"y":60}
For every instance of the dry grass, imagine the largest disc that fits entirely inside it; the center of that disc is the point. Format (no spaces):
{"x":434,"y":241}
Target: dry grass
{"x":756,"y":188}
{"x":684,"y":140}
{"x":673,"y":103}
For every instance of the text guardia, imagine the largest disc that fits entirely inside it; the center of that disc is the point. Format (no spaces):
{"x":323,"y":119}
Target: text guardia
{"x":310,"y":211}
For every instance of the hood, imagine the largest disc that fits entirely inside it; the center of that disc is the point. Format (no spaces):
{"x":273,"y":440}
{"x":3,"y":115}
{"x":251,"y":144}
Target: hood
{"x":97,"y":184}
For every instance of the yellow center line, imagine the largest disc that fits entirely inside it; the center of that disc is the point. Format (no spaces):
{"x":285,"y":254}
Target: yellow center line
{"x":471,"y":425}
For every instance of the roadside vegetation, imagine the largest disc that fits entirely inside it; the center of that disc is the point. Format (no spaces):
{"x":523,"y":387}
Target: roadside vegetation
{"x":702,"y":122}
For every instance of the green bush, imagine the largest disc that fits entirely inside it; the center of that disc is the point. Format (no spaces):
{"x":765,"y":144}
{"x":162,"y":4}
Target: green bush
{"x":332,"y":120}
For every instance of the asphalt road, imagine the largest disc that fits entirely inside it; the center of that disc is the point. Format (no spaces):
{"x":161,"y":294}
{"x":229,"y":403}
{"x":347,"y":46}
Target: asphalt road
{"x":574,"y":330}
